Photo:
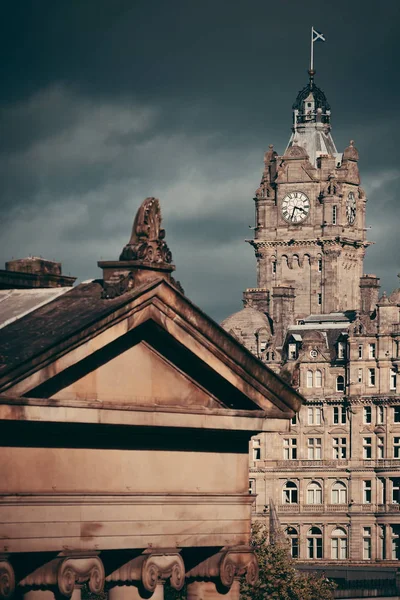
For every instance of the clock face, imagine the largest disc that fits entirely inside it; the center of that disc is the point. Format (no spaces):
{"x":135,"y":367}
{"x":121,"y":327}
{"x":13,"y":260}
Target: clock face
{"x":295,"y":207}
{"x":351,"y":208}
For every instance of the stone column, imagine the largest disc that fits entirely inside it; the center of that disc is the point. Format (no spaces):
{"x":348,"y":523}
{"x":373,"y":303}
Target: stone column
{"x":7,"y":579}
{"x":388,"y":542}
{"x":218,"y":576}
{"x":145,"y":575}
{"x":132,"y":592}
{"x":65,"y":574}
{"x":207,"y":590}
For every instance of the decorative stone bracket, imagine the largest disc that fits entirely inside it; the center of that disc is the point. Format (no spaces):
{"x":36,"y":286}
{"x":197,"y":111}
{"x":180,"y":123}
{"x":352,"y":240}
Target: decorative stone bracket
{"x":65,"y":572}
{"x":151,"y":569}
{"x":7,"y":580}
{"x":227,"y":565}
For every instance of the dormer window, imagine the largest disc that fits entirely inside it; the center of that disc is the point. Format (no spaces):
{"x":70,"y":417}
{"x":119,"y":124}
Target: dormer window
{"x":341,"y":349}
{"x":292,"y":351}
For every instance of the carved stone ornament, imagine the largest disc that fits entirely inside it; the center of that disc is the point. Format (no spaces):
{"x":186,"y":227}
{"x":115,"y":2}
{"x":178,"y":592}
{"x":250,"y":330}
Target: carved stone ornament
{"x":118,"y":284}
{"x":151,"y":569}
{"x":64,"y":572}
{"x":147,"y":239}
{"x":227,"y":565}
{"x":7,"y":580}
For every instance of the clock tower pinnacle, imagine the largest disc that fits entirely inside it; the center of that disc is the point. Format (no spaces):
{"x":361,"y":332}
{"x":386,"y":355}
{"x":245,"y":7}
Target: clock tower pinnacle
{"x":309,"y":233}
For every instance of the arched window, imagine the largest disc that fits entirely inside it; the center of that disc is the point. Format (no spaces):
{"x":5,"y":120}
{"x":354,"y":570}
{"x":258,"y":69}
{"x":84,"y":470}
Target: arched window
{"x":290,"y":493}
{"x":318,"y":378}
{"x":340,"y":383}
{"x":293,"y":537}
{"x":339,"y":544}
{"x":314,"y":543}
{"x":310,"y":377}
{"x":339,"y":493}
{"x":314,"y":493}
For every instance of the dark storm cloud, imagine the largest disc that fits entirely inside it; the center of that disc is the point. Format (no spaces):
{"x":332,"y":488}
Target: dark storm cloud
{"x":105,"y":102}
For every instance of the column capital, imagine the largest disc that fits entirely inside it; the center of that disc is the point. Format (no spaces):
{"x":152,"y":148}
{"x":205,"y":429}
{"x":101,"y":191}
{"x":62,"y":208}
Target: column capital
{"x":65,"y":572}
{"x":228,"y":564}
{"x":151,"y":569}
{"x":7,"y":579}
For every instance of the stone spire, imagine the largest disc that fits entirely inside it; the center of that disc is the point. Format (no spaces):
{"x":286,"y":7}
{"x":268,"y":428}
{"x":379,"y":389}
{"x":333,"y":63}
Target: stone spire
{"x":312,"y":122}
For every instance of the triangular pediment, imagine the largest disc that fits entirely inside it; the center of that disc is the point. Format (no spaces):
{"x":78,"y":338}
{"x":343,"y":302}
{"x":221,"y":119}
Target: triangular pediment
{"x":151,"y":346}
{"x":138,"y":375}
{"x":315,"y":430}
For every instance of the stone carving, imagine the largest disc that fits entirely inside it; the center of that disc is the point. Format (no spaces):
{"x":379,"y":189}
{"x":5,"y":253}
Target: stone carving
{"x":147,"y":239}
{"x":148,"y":570}
{"x":7,"y":580}
{"x":118,"y":284}
{"x":63,"y":573}
{"x":227,"y":565}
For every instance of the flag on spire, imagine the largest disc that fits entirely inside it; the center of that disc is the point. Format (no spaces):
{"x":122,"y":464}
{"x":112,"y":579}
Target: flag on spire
{"x":315,"y":36}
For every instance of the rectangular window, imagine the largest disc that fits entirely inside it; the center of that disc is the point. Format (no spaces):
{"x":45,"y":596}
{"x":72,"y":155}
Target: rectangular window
{"x":360,"y":351}
{"x":292,"y":351}
{"x":319,"y":299}
{"x":334,"y":214}
{"x":341,"y":349}
{"x":256,"y":450}
{"x":380,"y":415}
{"x":380,"y":447}
{"x":294,"y":420}
{"x":314,"y":446}
{"x":339,"y":447}
{"x":339,"y":415}
{"x":371,"y":377}
{"x":274,"y":267}
{"x":396,"y":414}
{"x":252,"y":486}
{"x":372,"y":350}
{"x":320,"y":265}
{"x":314,"y":416}
{"x":360,"y":375}
{"x":367,"y":544}
{"x":367,"y":414}
{"x":396,"y":447}
{"x":367,"y":448}
{"x":367,"y":491}
{"x":395,"y":490}
{"x":393,"y":379}
{"x":290,"y":449}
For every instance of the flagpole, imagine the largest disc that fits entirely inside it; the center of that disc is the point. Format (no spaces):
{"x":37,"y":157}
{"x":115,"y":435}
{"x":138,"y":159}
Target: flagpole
{"x":312,"y":49}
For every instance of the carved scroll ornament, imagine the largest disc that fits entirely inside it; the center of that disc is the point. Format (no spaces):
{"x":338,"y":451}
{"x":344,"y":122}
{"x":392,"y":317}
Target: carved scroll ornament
{"x":227,"y":565}
{"x":147,"y":238}
{"x":148,"y":570}
{"x":63,"y":573}
{"x":7,"y":580}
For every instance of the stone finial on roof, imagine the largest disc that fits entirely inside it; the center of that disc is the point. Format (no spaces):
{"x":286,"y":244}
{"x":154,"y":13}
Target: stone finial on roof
{"x":145,"y":257}
{"x":270,"y":154}
{"x":147,"y":238}
{"x":351,"y":152}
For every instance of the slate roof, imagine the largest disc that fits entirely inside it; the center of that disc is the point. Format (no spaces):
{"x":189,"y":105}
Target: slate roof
{"x":16,"y":303}
{"x":54,"y":322}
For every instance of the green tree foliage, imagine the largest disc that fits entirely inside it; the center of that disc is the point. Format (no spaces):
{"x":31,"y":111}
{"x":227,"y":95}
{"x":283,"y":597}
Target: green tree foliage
{"x":279,"y":578}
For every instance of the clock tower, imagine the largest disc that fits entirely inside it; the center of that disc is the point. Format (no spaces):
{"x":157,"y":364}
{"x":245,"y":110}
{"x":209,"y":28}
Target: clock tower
{"x":310,"y":217}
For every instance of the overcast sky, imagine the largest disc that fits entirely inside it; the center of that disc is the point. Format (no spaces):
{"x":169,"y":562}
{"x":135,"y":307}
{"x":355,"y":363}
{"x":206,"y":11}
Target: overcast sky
{"x":105,"y":102}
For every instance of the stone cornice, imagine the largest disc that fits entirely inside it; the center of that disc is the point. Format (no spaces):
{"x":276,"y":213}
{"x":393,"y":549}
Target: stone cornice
{"x":336,"y":242}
